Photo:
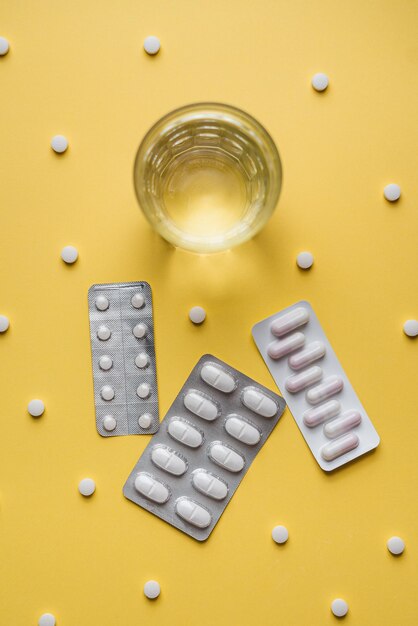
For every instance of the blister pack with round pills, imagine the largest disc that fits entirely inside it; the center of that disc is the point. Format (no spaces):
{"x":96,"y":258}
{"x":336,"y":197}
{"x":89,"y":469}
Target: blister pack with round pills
{"x":123,"y":356}
{"x":325,"y":406}
{"x":207,"y":441}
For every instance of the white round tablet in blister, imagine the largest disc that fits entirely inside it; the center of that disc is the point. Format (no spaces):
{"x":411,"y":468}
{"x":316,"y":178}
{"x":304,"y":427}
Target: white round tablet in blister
{"x":392,"y":192}
{"x":87,"y":487}
{"x":137,"y":300}
{"x":320,"y":81}
{"x":143,"y":390}
{"x":305,"y":260}
{"x":107,"y":392}
{"x":396,"y":545}
{"x":109,"y":423}
{"x":4,"y":323}
{"x":69,"y":254}
{"x":140,"y":330}
{"x":103,"y":332}
{"x":339,"y":607}
{"x":36,"y":408}
{"x":59,"y":143}
{"x":4,"y":46}
{"x":410,"y":328}
{"x":47,"y":619}
{"x":144,"y":421}
{"x":152,"y":589}
{"x":152,"y":45}
{"x":280,"y":534}
{"x":197,"y":314}
{"x":102,"y":303}
{"x":141,"y":360}
{"x":105,"y":362}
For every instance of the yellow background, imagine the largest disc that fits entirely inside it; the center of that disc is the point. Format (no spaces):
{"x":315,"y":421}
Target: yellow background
{"x":78,"y":68}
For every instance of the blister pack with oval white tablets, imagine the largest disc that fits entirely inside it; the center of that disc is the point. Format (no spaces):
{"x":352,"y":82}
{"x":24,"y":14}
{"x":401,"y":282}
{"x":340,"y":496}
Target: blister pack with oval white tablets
{"x":123,"y":358}
{"x":320,"y":396}
{"x":208,"y":439}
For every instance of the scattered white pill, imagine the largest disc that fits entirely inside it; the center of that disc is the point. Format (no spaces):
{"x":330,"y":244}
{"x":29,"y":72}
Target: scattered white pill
{"x":102,"y":303}
{"x":197,"y":314}
{"x":4,"y":323}
{"x":143,"y":390}
{"x":103,"y":332}
{"x":396,"y":545}
{"x":392,"y":192}
{"x":137,"y":300}
{"x":109,"y":423}
{"x":152,"y":44}
{"x":140,"y":330}
{"x":107,"y":392}
{"x":69,"y":254}
{"x":47,"y":619}
{"x":59,"y":143}
{"x":141,"y":360}
{"x":4,"y":46}
{"x":36,"y":408}
{"x":152,"y":589}
{"x":280,"y":534}
{"x":105,"y":362}
{"x":320,"y":81}
{"x":144,"y":421}
{"x":410,"y":328}
{"x":87,"y":487}
{"x":304,"y":260}
{"x":339,"y":607}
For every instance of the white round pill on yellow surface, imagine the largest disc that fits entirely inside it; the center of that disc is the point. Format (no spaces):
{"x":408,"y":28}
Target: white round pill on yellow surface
{"x":197,"y":314}
{"x":137,"y":300}
{"x":410,"y":328}
{"x":339,"y":607}
{"x":280,"y":534}
{"x":47,"y":619}
{"x":107,"y":392}
{"x":36,"y":408}
{"x":69,"y":254}
{"x":392,"y":192}
{"x":152,"y":589}
{"x":87,"y":487}
{"x":103,"y":332}
{"x":102,"y":303}
{"x":4,"y":46}
{"x":152,"y":44}
{"x":305,"y":260}
{"x":141,"y":360}
{"x":143,"y":390}
{"x":320,"y":81}
{"x":140,"y":330}
{"x":105,"y":362}
{"x":59,"y":144}
{"x":144,"y":421}
{"x":396,"y":545}
{"x":109,"y":423}
{"x":4,"y":323}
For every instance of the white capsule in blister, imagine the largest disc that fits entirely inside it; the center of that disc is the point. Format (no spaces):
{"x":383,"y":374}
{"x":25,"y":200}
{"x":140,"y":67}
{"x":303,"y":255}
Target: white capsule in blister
{"x":168,"y":460}
{"x":297,"y":382}
{"x":225,"y":457}
{"x":218,"y":378}
{"x":330,"y":386}
{"x":289,"y":321}
{"x":201,"y":406}
{"x":193,"y":513}
{"x":185,"y":433}
{"x":348,"y":420}
{"x":207,"y":483}
{"x":242,"y":430}
{"x":313,"y":417}
{"x":258,"y":402}
{"x":311,"y":353}
{"x":279,"y":348}
{"x":151,"y":488}
{"x":339,"y":446}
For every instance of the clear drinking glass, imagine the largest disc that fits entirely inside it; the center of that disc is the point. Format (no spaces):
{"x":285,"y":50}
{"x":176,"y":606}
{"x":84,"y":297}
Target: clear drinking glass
{"x":207,"y":177}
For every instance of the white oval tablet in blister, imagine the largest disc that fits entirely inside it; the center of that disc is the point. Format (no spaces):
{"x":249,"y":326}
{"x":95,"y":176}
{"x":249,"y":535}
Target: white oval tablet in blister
{"x":168,"y":460}
{"x":210,"y":485}
{"x":242,"y":430}
{"x":193,"y":513}
{"x":200,"y":405}
{"x":340,"y":446}
{"x":224,"y":456}
{"x":217,"y":377}
{"x":151,"y":488}
{"x":289,"y":321}
{"x":348,"y":420}
{"x":258,"y":402}
{"x":314,"y":417}
{"x":185,"y":433}
{"x":312,"y":352}
{"x":280,"y":347}
{"x":329,"y":387}
{"x":297,"y":382}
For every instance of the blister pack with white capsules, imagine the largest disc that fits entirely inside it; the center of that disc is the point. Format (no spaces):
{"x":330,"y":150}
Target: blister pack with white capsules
{"x":325,"y":406}
{"x":207,"y":441}
{"x":123,"y":358}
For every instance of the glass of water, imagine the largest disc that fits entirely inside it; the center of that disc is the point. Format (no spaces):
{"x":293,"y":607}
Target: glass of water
{"x":207,"y":177}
